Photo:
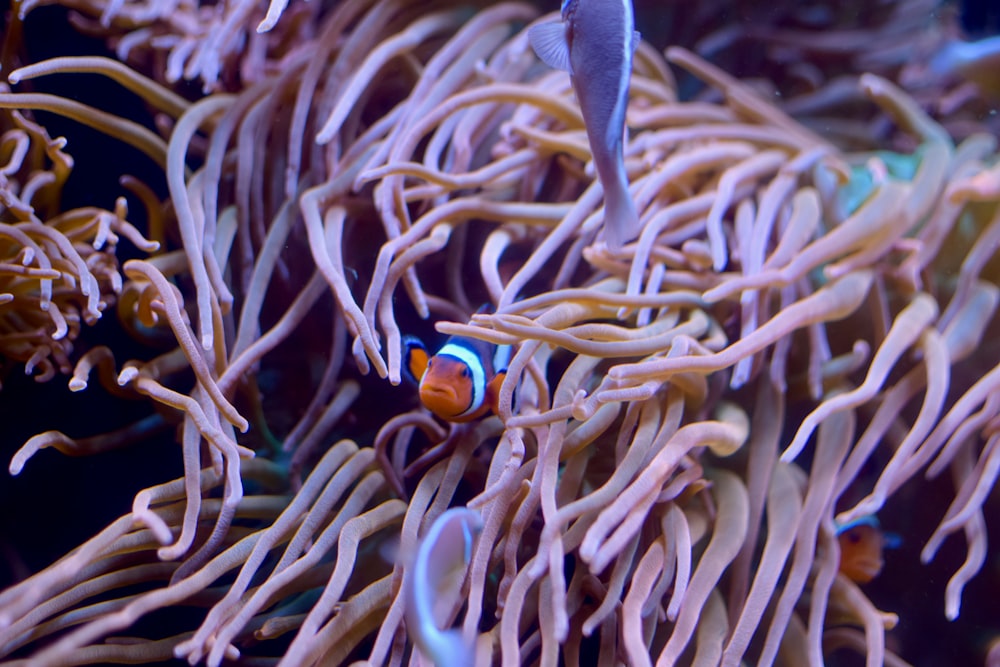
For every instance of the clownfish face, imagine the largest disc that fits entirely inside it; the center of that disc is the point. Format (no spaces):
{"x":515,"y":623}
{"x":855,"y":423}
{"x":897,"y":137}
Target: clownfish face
{"x":453,"y":386}
{"x":862,"y":542}
{"x":861,"y":553}
{"x":457,"y":384}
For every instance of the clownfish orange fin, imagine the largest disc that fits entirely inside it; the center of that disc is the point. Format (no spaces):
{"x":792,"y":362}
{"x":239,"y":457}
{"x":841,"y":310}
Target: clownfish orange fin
{"x":493,"y":391}
{"x":415,"y":358}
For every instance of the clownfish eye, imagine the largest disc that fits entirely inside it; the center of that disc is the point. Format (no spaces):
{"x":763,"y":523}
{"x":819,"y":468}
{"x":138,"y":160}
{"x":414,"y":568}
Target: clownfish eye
{"x":465,"y":372}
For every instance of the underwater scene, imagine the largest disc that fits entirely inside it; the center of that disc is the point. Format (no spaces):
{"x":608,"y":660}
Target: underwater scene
{"x":466,"y":333}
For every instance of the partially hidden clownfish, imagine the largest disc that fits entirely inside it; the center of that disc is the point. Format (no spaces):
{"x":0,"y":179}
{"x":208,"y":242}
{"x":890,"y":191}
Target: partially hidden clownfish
{"x":861,"y":544}
{"x":461,"y":381}
{"x":978,"y":62}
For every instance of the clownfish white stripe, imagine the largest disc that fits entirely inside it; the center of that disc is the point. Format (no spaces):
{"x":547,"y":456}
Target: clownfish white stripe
{"x":502,"y":357}
{"x":475,"y":366}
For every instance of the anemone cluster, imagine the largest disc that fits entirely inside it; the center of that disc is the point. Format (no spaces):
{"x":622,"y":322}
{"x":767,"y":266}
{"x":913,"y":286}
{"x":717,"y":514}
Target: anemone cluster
{"x":804,"y":330}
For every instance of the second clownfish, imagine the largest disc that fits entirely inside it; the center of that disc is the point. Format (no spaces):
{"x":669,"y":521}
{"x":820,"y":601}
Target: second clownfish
{"x":861,"y":545}
{"x":461,"y":382}
{"x":978,"y":62}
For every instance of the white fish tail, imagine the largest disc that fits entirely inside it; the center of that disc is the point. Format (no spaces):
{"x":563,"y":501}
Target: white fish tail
{"x":621,"y":221}
{"x":450,"y":649}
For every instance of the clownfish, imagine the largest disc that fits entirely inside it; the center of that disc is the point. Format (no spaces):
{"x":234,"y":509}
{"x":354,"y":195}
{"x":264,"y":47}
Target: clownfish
{"x":978,"y":62}
{"x":861,"y":544}
{"x":594,"y":42}
{"x":461,"y":381}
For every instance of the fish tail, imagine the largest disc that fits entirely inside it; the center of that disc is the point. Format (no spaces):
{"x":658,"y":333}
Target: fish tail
{"x":451,"y":650}
{"x":621,"y":221}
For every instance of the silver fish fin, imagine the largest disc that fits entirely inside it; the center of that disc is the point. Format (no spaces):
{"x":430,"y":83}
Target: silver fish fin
{"x":621,"y":221}
{"x":549,"y":42}
{"x":636,"y":38}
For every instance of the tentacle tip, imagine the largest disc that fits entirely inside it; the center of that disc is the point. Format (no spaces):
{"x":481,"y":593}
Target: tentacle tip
{"x":170,"y":549}
{"x":324,"y":137}
{"x":870,"y":82}
{"x":126,"y":375}
{"x":928,"y":553}
{"x":537,"y":570}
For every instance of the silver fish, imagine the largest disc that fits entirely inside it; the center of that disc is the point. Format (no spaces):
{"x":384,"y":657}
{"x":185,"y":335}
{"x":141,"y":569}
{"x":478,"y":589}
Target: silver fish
{"x":594,"y":42}
{"x":435,"y":574}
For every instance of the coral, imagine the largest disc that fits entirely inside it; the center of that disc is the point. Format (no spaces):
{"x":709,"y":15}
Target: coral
{"x":58,"y":269}
{"x":799,"y":332}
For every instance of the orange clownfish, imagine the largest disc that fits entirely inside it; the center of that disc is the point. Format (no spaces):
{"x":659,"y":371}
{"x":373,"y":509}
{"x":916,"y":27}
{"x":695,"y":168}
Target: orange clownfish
{"x":861,"y":544}
{"x":461,"y":382}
